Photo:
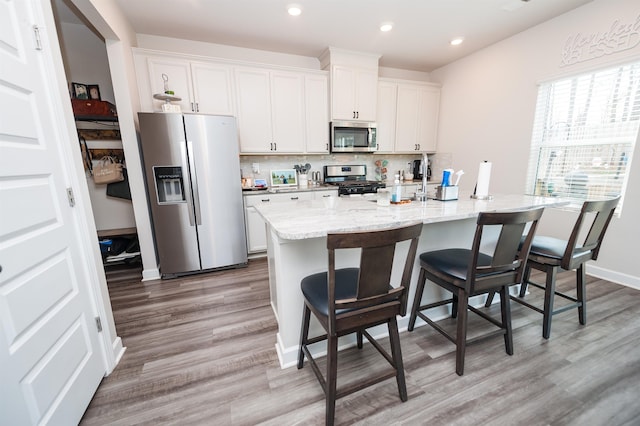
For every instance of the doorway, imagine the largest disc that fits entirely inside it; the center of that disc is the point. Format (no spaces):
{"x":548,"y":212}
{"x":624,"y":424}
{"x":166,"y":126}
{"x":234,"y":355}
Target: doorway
{"x":87,"y":72}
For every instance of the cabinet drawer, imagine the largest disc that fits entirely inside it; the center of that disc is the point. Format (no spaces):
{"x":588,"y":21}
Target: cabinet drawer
{"x":326,"y":193}
{"x":252,"y":200}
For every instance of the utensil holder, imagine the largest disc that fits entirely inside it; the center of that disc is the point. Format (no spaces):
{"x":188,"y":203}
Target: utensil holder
{"x":446,"y":193}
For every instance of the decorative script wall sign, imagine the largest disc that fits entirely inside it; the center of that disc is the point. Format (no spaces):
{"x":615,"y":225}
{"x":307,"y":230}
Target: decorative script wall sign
{"x":585,"y":47}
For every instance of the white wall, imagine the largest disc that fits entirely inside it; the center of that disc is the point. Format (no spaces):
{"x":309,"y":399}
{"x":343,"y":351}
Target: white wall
{"x":487,"y":110}
{"x":85,"y":58}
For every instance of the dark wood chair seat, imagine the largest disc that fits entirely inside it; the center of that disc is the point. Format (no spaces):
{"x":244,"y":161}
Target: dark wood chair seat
{"x":551,"y":255}
{"x":469,"y":272}
{"x":351,"y":300}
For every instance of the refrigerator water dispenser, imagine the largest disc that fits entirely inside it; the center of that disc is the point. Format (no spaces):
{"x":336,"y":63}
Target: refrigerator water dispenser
{"x":169,"y":184}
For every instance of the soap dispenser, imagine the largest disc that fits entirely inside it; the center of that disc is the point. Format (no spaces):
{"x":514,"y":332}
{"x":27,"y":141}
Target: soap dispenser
{"x":396,"y":196}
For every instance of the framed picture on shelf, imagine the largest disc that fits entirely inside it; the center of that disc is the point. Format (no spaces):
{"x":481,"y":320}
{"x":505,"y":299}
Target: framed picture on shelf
{"x":79,"y":91}
{"x":94,"y":92}
{"x":283,"y":177}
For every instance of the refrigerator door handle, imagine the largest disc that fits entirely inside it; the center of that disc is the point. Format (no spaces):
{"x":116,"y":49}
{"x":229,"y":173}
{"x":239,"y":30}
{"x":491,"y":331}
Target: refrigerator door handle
{"x":194,"y":183}
{"x":187,"y":181}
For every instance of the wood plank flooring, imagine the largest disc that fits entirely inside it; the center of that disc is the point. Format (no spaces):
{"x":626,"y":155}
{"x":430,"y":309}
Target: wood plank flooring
{"x":200,"y":351}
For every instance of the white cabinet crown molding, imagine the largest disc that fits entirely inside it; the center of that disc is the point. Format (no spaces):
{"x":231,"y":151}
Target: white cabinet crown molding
{"x":216,"y":59}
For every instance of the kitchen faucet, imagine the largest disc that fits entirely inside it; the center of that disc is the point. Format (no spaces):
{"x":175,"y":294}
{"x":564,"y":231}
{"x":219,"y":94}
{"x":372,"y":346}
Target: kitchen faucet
{"x":424,"y":166}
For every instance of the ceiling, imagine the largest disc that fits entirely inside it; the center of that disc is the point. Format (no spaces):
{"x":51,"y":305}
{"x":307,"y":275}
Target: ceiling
{"x":419,"y":40}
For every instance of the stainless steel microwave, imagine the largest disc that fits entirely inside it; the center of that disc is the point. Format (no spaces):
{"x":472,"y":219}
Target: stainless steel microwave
{"x":351,"y":136}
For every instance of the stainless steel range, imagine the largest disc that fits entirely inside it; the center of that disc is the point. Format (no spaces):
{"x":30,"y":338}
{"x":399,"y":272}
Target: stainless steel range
{"x":351,"y":179}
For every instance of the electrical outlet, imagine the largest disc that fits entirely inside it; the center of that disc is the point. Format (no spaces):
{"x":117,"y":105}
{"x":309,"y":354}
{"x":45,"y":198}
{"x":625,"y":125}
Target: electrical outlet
{"x":255,"y":167}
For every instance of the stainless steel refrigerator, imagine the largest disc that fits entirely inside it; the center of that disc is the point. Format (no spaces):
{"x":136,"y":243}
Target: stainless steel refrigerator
{"x":192,"y":170}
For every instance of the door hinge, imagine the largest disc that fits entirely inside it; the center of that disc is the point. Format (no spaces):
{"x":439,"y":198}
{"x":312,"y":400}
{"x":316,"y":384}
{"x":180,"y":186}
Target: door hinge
{"x":36,"y":32}
{"x":99,"y":324}
{"x":70,"y":197}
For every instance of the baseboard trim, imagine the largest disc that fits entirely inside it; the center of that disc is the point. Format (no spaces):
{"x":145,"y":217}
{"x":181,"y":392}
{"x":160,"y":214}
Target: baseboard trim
{"x":613,"y":276}
{"x":117,"y":351}
{"x":150,"y":274}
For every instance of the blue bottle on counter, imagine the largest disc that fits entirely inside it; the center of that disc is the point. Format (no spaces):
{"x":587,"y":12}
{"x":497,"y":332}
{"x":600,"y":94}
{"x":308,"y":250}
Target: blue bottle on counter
{"x":396,"y":195}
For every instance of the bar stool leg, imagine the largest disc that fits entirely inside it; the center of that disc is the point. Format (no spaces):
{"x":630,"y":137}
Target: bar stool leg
{"x":396,"y":354}
{"x":461,"y":334}
{"x":304,"y":333}
{"x":505,"y":310}
{"x":581,"y":294}
{"x":417,"y":300}
{"x":454,"y":306}
{"x":549,"y":292}
{"x":332,"y":377}
{"x":525,"y":281}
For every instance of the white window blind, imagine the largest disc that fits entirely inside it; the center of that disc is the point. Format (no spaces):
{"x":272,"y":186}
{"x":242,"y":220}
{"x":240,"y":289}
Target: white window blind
{"x":584,"y":134}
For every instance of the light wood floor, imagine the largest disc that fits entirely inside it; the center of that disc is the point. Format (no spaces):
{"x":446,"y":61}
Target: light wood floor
{"x":200,"y":350}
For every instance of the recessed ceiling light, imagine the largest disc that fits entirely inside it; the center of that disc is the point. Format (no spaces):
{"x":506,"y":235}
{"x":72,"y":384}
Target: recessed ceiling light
{"x":386,"y":26}
{"x":294,"y":10}
{"x":456,"y":41}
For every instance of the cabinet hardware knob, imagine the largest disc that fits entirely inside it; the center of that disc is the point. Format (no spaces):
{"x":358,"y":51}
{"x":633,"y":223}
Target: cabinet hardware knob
{"x":295,"y":198}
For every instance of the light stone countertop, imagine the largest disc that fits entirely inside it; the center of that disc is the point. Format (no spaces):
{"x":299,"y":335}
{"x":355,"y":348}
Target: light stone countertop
{"x":297,"y":220}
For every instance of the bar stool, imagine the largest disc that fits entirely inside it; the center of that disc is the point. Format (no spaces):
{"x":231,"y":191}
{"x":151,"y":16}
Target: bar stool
{"x":468,"y":272}
{"x":552,"y":254}
{"x":350,"y":300}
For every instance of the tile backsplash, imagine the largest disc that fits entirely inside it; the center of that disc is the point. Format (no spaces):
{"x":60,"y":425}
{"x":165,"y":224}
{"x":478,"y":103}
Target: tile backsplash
{"x":439,"y":162}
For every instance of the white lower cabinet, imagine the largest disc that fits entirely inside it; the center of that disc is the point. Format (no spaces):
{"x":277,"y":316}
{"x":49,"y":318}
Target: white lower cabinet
{"x":256,"y":232}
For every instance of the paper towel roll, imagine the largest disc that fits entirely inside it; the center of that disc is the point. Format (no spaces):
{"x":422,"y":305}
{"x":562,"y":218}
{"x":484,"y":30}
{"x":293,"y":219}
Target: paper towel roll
{"x":484,"y":176}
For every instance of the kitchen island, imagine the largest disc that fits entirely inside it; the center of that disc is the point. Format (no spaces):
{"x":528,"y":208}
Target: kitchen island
{"x":296,"y":247}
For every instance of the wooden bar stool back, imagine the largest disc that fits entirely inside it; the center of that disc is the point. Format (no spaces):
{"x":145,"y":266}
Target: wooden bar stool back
{"x":350,"y":300}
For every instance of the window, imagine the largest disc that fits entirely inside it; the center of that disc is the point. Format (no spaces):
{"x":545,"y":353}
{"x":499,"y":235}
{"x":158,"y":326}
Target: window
{"x":584,"y":134}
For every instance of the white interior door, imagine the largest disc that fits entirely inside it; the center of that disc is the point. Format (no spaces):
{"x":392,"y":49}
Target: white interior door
{"x":50,"y":359}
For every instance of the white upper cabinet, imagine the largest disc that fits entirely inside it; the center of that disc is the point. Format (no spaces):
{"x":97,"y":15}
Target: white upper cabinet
{"x":354,"y":84}
{"x":287,"y":111}
{"x":407,"y":116}
{"x":386,"y":117}
{"x":354,"y":93}
{"x":203,"y":87}
{"x":178,"y":76}
{"x":417,"y":117}
{"x":316,"y":94}
{"x":253,"y":100}
{"x":279,"y":110}
{"x":212,"y":88}
{"x":270,"y":111}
